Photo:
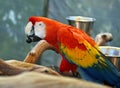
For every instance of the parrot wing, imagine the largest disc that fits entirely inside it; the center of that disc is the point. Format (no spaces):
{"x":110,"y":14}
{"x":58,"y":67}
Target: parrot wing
{"x":79,"y":49}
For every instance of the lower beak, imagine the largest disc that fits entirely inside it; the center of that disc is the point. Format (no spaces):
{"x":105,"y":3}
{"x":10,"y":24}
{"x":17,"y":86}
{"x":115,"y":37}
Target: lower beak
{"x":32,"y":38}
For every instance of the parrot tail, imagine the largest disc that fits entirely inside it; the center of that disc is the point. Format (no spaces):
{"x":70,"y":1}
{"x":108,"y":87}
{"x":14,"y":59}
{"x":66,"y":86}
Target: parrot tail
{"x":104,"y":72}
{"x":102,"y":77}
{"x":112,"y":76}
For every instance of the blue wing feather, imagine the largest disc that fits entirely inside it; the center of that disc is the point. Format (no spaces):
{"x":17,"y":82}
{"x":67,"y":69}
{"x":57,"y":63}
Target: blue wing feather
{"x":107,"y":74}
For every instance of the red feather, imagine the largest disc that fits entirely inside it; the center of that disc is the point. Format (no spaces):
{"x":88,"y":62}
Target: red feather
{"x":65,"y":66}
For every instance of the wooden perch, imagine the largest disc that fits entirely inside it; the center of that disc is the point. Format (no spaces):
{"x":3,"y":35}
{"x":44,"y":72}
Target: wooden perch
{"x":6,"y":69}
{"x":40,"y":80}
{"x":102,"y":38}
{"x":14,"y":67}
{"x":35,"y":53}
{"x":27,"y":75}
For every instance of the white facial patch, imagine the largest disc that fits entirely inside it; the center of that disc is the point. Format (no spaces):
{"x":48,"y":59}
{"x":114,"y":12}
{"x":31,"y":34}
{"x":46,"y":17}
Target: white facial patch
{"x":39,"y":29}
{"x":28,"y":28}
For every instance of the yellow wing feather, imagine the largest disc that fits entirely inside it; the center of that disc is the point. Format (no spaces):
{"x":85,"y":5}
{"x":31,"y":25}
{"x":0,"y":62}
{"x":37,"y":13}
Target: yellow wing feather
{"x":81,"y":58}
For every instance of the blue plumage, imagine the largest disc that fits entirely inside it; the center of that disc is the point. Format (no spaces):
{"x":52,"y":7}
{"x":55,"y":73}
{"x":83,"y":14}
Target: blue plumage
{"x":102,"y":73}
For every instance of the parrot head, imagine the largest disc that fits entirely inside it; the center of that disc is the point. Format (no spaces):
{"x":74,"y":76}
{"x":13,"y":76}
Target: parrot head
{"x":39,"y":28}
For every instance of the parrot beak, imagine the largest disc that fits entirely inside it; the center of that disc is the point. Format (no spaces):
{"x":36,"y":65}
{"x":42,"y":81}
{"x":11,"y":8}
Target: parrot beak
{"x":31,"y":37}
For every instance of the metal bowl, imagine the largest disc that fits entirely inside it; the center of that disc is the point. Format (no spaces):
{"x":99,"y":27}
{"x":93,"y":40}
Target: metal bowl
{"x":113,"y":53}
{"x":81,"y":22}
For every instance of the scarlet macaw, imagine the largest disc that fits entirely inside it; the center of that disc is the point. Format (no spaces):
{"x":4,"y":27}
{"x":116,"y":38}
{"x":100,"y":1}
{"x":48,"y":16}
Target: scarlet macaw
{"x":77,"y":49}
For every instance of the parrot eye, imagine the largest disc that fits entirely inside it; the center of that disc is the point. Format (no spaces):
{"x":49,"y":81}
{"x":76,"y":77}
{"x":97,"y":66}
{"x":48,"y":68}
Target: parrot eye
{"x":40,"y":24}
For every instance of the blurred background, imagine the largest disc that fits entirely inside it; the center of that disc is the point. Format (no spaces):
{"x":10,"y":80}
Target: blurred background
{"x":14,"y":16}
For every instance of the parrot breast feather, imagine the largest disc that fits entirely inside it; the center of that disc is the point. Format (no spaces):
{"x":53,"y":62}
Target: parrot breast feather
{"x":77,"y":48}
